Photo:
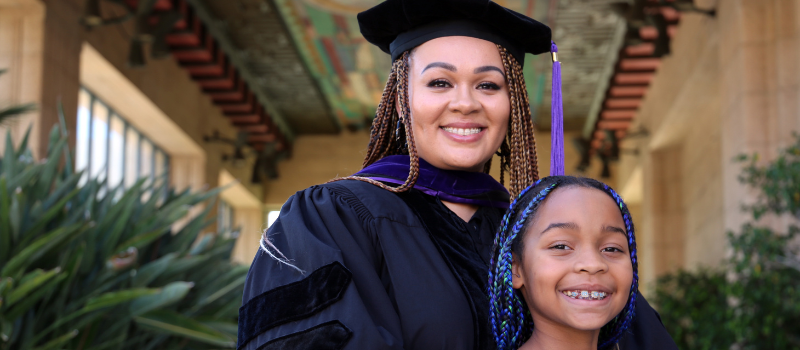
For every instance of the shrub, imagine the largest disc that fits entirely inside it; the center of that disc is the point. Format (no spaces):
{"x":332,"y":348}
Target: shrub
{"x":84,"y":266}
{"x":753,"y":300}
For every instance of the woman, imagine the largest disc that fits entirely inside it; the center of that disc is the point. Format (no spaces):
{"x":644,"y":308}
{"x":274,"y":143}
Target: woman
{"x":396,"y":256}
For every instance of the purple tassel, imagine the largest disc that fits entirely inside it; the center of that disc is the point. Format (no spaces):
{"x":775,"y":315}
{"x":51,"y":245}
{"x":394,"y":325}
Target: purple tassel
{"x":556,"y":119}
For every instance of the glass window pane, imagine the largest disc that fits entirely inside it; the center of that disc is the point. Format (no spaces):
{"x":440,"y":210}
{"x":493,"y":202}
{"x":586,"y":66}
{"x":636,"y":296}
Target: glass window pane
{"x":99,"y":139}
{"x":145,"y":158}
{"x":110,"y":149}
{"x":116,"y":151}
{"x":82,"y":134}
{"x":272,"y":216}
{"x":131,"y":157}
{"x":159,"y":170}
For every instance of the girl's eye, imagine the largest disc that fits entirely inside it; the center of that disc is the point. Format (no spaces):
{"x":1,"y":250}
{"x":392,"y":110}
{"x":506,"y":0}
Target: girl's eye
{"x":560,"y":247}
{"x":612,"y":250}
{"x":488,"y":86}
{"x":439,"y":84}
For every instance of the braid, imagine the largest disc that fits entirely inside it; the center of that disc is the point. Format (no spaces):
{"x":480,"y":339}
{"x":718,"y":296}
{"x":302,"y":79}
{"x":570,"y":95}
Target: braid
{"x":391,"y":133}
{"x":617,"y":327}
{"x":383,"y":141}
{"x":507,"y":314}
{"x":518,"y":150}
{"x":510,"y":318}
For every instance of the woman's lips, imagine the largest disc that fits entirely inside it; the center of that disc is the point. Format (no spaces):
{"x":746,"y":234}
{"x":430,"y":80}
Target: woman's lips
{"x":466,"y":133}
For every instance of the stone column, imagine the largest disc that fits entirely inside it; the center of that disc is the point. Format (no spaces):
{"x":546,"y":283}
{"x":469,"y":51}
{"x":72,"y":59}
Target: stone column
{"x":760,"y":96}
{"x":21,"y":52}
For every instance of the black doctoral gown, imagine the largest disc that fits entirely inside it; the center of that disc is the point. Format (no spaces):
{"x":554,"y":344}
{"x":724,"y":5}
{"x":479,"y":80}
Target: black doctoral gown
{"x":382,"y":271}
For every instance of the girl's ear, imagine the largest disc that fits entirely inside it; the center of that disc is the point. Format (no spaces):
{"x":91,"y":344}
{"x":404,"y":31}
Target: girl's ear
{"x":517,"y":272}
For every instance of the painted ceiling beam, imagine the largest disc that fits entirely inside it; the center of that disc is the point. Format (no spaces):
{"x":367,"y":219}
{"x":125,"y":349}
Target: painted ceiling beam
{"x":235,"y":59}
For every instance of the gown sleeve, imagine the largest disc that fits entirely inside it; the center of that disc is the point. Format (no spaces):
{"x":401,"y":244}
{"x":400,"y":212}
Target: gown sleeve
{"x":646,"y":332}
{"x":338,"y":301}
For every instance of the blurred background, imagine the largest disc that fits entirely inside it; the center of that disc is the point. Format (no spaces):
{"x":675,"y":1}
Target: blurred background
{"x":687,"y":108}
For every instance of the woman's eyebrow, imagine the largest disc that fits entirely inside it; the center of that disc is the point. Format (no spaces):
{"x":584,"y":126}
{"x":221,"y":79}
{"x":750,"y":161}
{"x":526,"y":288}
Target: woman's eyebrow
{"x":564,"y":225}
{"x":486,"y":69}
{"x":444,"y":65}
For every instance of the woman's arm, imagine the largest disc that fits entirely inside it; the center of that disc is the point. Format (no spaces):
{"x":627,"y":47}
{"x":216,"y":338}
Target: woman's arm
{"x":647,"y":332}
{"x":339,"y":301}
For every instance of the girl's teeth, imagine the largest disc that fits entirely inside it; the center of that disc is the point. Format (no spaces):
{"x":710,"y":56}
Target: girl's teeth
{"x":585,"y":294}
{"x":462,"y":132}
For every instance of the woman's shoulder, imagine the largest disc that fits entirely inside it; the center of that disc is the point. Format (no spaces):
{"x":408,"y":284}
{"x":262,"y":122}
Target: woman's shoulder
{"x":366,"y":199}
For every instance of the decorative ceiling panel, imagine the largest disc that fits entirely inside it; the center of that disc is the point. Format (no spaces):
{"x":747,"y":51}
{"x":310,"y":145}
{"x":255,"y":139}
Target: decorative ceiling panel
{"x":352,"y":73}
{"x":255,"y":27}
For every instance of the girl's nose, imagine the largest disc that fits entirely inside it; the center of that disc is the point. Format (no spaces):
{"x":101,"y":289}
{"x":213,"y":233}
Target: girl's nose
{"x":590,"y":261}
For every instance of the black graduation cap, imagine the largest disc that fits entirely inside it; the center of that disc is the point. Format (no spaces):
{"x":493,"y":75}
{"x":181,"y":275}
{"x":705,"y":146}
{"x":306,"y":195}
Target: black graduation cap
{"x":396,"y":26}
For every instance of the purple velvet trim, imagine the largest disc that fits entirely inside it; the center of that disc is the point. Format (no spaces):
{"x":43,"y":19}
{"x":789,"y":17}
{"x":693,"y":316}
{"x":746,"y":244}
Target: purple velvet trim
{"x":556,"y":121}
{"x":450,"y":185}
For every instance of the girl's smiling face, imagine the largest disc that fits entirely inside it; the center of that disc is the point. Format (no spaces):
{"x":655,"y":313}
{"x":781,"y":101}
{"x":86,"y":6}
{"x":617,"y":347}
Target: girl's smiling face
{"x":574,"y":268}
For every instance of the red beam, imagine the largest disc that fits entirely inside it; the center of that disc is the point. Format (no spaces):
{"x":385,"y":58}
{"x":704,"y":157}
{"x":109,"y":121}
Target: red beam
{"x":633,"y":78}
{"x":623,"y":103}
{"x":628,"y":91}
{"x":640,"y":64}
{"x":670,"y":14}
{"x":256,"y":129}
{"x":623,"y":114}
{"x":183,"y":39}
{"x":245,"y":119}
{"x":248,"y":106}
{"x":643,"y":49}
{"x":613,"y":124}
{"x":648,"y":33}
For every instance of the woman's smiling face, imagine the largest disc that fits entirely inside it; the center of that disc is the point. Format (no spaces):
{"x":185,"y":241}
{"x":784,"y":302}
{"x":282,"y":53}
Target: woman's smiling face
{"x":575,"y":269}
{"x":459,"y":102}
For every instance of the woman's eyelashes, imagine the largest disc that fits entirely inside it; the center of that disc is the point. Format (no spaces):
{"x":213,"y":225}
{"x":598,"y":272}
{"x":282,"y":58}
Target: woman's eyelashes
{"x":439,"y":83}
{"x":488,"y":86}
{"x":442,"y":83}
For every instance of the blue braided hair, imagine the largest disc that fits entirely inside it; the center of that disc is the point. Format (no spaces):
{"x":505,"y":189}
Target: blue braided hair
{"x":511,"y":321}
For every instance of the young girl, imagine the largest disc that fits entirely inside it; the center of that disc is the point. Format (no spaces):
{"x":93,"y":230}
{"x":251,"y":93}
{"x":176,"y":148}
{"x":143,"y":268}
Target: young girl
{"x":564,"y":270}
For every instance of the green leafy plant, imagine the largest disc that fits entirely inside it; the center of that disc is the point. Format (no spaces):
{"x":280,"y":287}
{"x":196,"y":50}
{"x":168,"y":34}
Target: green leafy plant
{"x":7,"y":114}
{"x":85,"y":266}
{"x":753,"y":300}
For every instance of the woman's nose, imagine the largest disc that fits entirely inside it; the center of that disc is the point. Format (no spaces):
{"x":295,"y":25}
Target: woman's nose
{"x":464,"y":101}
{"x":590,"y":261}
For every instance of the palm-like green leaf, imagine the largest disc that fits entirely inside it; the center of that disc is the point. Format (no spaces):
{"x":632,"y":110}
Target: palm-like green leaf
{"x":176,"y":324}
{"x":77,"y":256}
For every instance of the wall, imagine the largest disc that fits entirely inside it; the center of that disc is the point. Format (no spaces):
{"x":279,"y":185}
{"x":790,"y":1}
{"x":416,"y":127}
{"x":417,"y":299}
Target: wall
{"x":50,"y":54}
{"x":730,"y":86}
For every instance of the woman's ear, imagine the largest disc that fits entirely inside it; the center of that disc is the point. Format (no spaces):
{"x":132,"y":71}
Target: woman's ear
{"x":397,"y":104}
{"x":517,"y":272}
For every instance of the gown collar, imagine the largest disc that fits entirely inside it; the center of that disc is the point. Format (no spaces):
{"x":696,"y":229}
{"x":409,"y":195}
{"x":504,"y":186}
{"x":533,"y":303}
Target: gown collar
{"x":449,"y":185}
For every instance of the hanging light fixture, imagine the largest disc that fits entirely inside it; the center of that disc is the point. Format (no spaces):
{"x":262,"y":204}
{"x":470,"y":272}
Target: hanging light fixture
{"x":136,"y":57}
{"x":92,"y":16}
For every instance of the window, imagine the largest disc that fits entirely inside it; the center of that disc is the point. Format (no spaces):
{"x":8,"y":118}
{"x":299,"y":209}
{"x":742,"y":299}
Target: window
{"x":111,"y":149}
{"x":225,"y":215}
{"x":272,"y":216}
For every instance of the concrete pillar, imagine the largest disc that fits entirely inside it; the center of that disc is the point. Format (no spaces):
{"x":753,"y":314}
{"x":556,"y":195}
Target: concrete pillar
{"x":21,"y":54}
{"x":760,"y":92}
